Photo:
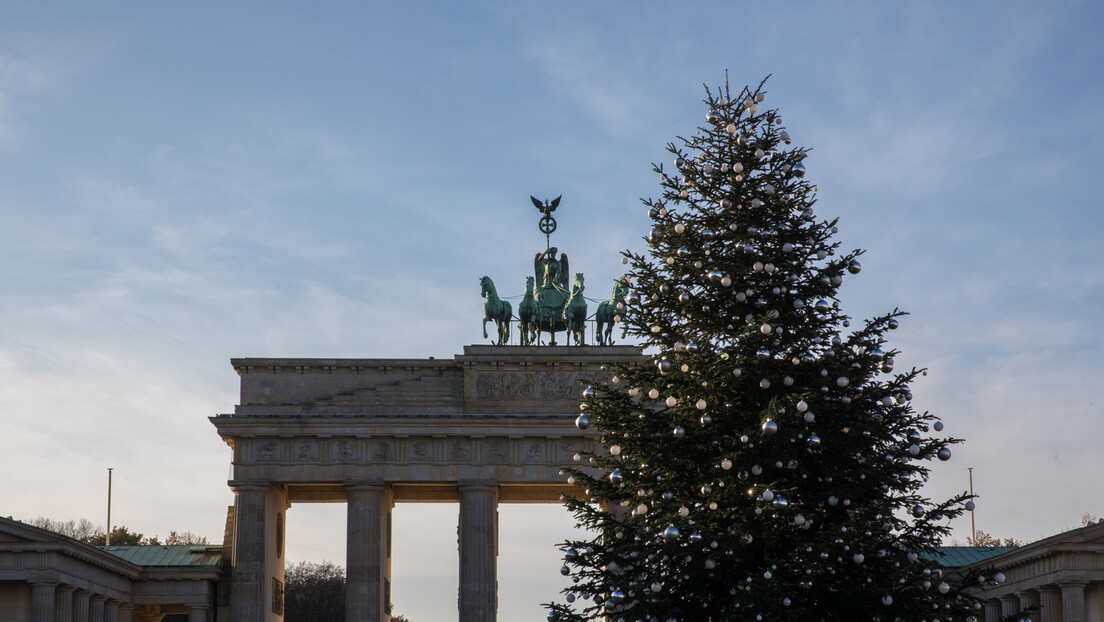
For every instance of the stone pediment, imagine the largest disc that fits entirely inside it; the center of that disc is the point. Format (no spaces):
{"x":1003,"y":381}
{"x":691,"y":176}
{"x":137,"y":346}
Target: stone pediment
{"x":15,"y":532}
{"x":1074,"y":557}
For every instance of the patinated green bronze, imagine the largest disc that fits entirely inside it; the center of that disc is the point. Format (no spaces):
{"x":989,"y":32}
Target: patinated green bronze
{"x":549,"y":305}
{"x":551,"y":293}
{"x":495,"y":309}
{"x":528,"y":315}
{"x":608,"y":311}
{"x":575,"y":312}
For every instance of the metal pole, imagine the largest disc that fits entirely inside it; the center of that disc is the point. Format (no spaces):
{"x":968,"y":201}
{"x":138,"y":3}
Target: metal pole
{"x":108,"y":543}
{"x":973,"y":531}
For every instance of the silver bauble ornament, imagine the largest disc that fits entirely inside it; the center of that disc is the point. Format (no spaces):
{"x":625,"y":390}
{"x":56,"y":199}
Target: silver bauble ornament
{"x":798,"y":170}
{"x":770,"y":427}
{"x":671,"y":533}
{"x":713,"y":117}
{"x":854,"y":266}
{"x":944,"y":454}
{"x":582,"y":422}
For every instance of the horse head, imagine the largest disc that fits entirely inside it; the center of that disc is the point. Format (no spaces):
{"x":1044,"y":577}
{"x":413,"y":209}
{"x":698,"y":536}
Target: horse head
{"x":620,"y":288}
{"x":529,"y":281}
{"x":485,"y":285}
{"x":578,"y":284}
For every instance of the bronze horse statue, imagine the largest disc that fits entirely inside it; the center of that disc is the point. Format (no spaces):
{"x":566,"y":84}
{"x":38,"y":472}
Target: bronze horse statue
{"x":528,"y":315}
{"x":608,"y":311}
{"x":575,"y":312}
{"x":495,"y":309}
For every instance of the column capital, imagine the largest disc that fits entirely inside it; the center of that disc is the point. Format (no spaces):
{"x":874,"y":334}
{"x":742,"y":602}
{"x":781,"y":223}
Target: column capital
{"x":477,"y":484}
{"x":238,"y":485}
{"x":369,"y":485}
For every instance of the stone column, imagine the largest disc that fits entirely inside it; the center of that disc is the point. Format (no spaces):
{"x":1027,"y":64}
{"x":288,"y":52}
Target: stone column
{"x":96,"y":608}
{"x":63,"y":603}
{"x":992,"y":610}
{"x":368,"y":567}
{"x":1073,"y":602}
{"x":478,"y":551}
{"x":1029,"y":601}
{"x":1050,"y":604}
{"x":197,"y":613}
{"x":1010,"y":605}
{"x":80,"y":606}
{"x":43,"y":601}
{"x":247,"y":592}
{"x":126,"y":612}
{"x":111,"y":610}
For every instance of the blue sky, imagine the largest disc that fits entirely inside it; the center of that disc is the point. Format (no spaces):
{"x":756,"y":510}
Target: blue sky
{"x":182,"y":183}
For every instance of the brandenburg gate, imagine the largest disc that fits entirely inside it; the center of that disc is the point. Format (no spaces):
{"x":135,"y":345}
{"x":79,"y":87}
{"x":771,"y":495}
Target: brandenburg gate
{"x":493,"y":425}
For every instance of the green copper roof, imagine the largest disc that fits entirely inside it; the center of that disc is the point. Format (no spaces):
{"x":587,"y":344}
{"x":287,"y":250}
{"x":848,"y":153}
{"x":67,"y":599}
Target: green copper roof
{"x":958,"y":556}
{"x":176,"y":555}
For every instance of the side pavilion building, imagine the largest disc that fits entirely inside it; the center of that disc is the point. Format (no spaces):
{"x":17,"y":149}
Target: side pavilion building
{"x":48,"y":577}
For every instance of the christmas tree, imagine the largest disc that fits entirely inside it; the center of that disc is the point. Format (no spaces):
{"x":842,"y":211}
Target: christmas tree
{"x":765,"y":463}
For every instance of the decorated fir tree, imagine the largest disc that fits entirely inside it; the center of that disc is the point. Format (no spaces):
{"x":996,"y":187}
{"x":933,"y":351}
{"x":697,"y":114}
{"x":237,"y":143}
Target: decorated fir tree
{"x":765,"y":463}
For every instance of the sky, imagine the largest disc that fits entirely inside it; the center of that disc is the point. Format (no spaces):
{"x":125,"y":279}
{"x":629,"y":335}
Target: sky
{"x":183,"y":183}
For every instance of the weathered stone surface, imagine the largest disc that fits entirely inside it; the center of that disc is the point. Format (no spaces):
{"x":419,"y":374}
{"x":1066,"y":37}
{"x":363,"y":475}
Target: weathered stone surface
{"x":493,"y":425}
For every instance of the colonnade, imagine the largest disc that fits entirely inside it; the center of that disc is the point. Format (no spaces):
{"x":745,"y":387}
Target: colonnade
{"x":1063,"y":602}
{"x":52,"y":601}
{"x":258,"y":564}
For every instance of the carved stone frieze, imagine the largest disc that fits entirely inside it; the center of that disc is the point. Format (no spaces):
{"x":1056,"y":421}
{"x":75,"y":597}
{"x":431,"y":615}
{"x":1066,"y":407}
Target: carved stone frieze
{"x":528,"y":385}
{"x":436,"y":449}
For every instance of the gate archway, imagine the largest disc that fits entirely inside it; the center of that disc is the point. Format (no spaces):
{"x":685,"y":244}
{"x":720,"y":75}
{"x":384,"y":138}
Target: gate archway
{"x":493,"y":425}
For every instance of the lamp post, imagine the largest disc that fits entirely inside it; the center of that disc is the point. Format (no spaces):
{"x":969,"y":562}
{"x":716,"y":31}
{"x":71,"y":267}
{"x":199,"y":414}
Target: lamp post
{"x":973,"y":532}
{"x":108,"y":541}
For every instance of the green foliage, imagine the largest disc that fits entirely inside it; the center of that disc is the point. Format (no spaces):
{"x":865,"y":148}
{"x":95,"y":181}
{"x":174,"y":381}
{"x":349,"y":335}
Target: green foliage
{"x":766,"y":464}
{"x":185,"y":537}
{"x":980,"y":538}
{"x":316,"y":593}
{"x":122,"y":536}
